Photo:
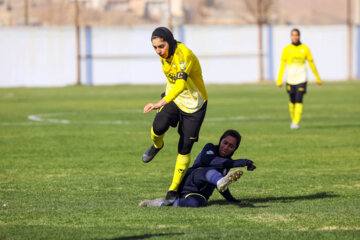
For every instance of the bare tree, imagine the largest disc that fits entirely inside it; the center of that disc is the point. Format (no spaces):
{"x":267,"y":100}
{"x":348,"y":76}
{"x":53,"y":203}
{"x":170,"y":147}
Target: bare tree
{"x":260,"y":10}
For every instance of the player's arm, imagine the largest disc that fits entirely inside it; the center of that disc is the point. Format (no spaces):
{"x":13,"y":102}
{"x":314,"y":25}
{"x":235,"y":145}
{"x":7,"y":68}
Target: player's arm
{"x":220,"y":162}
{"x":179,"y":86}
{"x":175,"y":91}
{"x":227,"y":195}
{"x":282,"y":68}
{"x":312,"y":66}
{"x":185,"y":64}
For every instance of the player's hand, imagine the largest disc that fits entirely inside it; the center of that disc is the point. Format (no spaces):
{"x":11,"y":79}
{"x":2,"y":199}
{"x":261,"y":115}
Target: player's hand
{"x":279,"y":86}
{"x":152,"y":106}
{"x":251,"y":167}
{"x":149,"y":107}
{"x":319,"y":83}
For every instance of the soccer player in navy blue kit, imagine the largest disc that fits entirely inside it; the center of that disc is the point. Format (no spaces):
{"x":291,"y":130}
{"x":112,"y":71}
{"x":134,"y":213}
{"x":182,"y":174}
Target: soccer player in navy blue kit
{"x":210,"y":170}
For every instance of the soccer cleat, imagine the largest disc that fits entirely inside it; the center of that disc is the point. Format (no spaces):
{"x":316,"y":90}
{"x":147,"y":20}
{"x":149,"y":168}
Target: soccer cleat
{"x":152,"y":203}
{"x":294,"y":126}
{"x":231,"y":177}
{"x":150,"y":153}
{"x":170,"y":198}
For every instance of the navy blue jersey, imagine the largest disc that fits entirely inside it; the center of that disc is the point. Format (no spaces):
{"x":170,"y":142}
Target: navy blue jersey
{"x":209,"y":158}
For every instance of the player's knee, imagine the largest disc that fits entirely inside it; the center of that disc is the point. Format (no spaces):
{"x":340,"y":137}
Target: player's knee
{"x":160,"y":126}
{"x":185,"y":146}
{"x":195,"y":201}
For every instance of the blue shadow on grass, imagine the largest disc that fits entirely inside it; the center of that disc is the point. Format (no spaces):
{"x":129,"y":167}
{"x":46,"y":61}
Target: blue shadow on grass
{"x":319,"y":195}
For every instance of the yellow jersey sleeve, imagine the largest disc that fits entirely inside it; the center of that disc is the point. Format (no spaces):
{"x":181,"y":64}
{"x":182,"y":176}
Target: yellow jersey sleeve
{"x":183,"y":65}
{"x":175,"y":91}
{"x":185,"y":85}
{"x":282,"y":66}
{"x":312,"y":66}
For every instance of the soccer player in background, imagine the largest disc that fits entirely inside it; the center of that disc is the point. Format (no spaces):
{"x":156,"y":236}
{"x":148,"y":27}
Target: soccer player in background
{"x":184,"y":103}
{"x":294,"y":56}
{"x":210,"y":171}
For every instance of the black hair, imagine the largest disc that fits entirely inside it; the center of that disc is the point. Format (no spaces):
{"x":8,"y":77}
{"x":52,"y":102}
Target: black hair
{"x":296,"y":30}
{"x":233,"y":133}
{"x":165,"y":34}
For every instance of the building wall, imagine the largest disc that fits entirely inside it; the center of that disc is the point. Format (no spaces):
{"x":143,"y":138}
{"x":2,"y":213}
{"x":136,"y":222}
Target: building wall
{"x":46,"y":56}
{"x":37,"y":57}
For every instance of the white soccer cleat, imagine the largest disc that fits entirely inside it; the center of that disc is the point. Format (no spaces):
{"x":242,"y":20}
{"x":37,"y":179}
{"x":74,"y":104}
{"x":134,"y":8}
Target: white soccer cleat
{"x":294,"y":126}
{"x":152,"y":203}
{"x":231,"y":177}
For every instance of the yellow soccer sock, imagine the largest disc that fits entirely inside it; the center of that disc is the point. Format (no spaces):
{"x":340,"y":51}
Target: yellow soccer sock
{"x":157,"y":140}
{"x":292,"y":110}
{"x":182,"y":163}
{"x":298,"y":112}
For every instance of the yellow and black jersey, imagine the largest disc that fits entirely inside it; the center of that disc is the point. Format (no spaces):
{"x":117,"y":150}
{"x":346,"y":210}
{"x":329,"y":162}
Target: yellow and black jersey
{"x":185,"y":84}
{"x":294,"y":58}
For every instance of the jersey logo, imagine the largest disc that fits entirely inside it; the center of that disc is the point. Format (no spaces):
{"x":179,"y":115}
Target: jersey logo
{"x":209,"y":152}
{"x":302,"y":50}
{"x":183,"y":66}
{"x":174,"y":66}
{"x":301,"y":89}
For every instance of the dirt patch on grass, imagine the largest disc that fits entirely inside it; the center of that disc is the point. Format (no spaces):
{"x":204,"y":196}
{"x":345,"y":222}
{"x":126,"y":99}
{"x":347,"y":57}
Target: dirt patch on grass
{"x":347,"y":186}
{"x":267,"y":217}
{"x":327,"y":228}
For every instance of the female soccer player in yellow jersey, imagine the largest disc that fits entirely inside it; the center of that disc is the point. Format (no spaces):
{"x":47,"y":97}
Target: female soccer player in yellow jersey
{"x":184,"y":103}
{"x":294,"y":56}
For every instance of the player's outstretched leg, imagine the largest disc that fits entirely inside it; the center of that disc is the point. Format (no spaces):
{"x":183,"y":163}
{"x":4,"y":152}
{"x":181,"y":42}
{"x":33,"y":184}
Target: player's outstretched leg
{"x":231,"y":177}
{"x":151,"y":152}
{"x":152,"y":203}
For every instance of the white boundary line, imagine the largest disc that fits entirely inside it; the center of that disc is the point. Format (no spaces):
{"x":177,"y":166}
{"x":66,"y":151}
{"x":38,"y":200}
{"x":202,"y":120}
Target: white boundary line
{"x":39,"y":118}
{"x":36,"y":119}
{"x":42,"y":118}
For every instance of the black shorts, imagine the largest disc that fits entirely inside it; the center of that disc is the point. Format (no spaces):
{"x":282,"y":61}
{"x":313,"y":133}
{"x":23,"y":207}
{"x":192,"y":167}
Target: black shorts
{"x":296,"y":92}
{"x":172,"y":115}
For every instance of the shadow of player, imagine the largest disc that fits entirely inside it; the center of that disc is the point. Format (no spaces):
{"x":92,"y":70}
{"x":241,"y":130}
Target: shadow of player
{"x":319,"y":195}
{"x":145,"y":236}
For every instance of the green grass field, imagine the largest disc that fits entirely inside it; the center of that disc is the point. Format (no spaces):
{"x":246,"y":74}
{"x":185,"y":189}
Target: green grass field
{"x":71,"y":165}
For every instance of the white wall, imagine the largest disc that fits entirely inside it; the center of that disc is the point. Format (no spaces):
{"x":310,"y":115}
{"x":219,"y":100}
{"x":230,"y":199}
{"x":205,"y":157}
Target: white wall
{"x":227,"y":54}
{"x":46,"y":56}
{"x":34,"y":57}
